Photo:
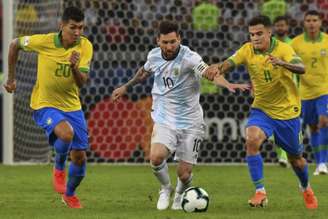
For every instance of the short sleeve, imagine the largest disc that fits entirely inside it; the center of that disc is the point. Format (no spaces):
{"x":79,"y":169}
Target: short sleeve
{"x":289,"y":55}
{"x":86,"y":56}
{"x":238,"y":57}
{"x":32,"y":43}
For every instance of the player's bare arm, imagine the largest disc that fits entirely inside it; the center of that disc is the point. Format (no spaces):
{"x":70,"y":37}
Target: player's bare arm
{"x":140,"y":76}
{"x":297,"y":68}
{"x":221,"y":68}
{"x":79,"y":77}
{"x":10,"y":85}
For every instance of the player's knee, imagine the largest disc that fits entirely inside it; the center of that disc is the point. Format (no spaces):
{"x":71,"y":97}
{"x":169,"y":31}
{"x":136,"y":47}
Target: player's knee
{"x":323,"y":122}
{"x":297,"y":161}
{"x":67,"y":135}
{"x":156,"y":158}
{"x":253,"y":144}
{"x":78,"y":157}
{"x":184,"y":175}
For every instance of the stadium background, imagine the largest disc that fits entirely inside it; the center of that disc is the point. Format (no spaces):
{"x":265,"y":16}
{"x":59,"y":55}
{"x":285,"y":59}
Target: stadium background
{"x":122,"y":33}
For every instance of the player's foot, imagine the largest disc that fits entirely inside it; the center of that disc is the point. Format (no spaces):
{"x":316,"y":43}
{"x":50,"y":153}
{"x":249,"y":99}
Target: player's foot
{"x":310,"y":200}
{"x":177,"y":201}
{"x":59,"y":180}
{"x":258,"y":200}
{"x":164,"y":198}
{"x":71,"y":201}
{"x":321,"y":169}
{"x":283,"y":162}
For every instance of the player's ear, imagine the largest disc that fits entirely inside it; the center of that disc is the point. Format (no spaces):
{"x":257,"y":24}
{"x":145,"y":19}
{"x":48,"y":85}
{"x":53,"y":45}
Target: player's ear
{"x":157,"y":41}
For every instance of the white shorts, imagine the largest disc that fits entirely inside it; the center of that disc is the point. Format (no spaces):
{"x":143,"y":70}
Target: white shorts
{"x":184,"y":142}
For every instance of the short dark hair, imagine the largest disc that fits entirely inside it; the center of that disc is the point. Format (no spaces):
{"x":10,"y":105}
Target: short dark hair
{"x":313,"y":13}
{"x":281,"y":18}
{"x":73,"y":13}
{"x":166,"y":27}
{"x":261,"y":19}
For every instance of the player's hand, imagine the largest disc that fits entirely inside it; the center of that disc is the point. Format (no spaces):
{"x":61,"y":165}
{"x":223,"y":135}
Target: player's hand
{"x":274,"y":60}
{"x":74,"y":59}
{"x":118,"y":92}
{"x":212,"y":71}
{"x":243,"y":87}
{"x":10,"y":86}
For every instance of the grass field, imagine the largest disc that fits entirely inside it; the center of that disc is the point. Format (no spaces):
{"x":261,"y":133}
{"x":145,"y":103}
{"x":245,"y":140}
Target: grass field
{"x":131,"y":192}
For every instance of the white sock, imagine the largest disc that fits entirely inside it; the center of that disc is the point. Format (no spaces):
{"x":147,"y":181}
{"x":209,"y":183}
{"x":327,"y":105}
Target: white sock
{"x":162,"y":174}
{"x":181,"y":187}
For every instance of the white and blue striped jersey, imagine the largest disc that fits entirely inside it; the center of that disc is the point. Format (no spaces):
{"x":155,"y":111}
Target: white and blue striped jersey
{"x":176,"y":88}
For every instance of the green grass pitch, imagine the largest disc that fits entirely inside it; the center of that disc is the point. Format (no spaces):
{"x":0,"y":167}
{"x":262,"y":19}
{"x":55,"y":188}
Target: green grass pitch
{"x":128,"y":192}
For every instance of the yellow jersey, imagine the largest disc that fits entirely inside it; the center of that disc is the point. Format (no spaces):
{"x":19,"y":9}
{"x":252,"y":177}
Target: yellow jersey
{"x":275,"y":93}
{"x":55,"y":85}
{"x":314,"y":82}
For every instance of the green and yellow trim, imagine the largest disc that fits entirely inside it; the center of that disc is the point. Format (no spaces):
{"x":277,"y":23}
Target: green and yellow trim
{"x":318,"y":39}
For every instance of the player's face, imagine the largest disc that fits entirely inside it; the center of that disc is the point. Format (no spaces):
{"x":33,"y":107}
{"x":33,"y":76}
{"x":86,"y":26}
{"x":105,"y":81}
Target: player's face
{"x":312,"y":24}
{"x":281,"y":28}
{"x":260,"y":36}
{"x":169,"y":44}
{"x":71,"y":31}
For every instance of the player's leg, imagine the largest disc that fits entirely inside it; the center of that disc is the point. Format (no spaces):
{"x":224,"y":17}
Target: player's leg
{"x":162,"y":142}
{"x":258,"y":128}
{"x":64,"y":136}
{"x":322,"y":109}
{"x":60,"y":135}
{"x":289,"y":136}
{"x":310,"y":117}
{"x":300,"y":168}
{"x":184,"y":180}
{"x":187,"y":154}
{"x":77,"y":167}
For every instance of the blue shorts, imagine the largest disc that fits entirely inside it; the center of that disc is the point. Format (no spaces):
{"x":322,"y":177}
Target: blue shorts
{"x":312,"y":109}
{"x":287,"y":133}
{"x":48,"y":118}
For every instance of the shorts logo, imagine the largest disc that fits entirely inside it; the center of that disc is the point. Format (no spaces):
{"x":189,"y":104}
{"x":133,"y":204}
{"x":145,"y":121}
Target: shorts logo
{"x":49,"y":121}
{"x":295,"y":109}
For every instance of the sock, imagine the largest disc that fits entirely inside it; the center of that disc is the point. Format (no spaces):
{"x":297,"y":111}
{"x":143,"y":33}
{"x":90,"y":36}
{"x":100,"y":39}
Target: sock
{"x":61,"y":149}
{"x":75,"y":175}
{"x":181,"y":187}
{"x":302,"y":175}
{"x":255,"y":168}
{"x":323,"y":144}
{"x":315,"y":143}
{"x":162,"y":174}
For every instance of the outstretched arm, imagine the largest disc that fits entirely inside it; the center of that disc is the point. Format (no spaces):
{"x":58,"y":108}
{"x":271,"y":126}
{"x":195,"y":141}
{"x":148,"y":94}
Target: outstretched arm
{"x":10,"y":85}
{"x":297,"y":68}
{"x":140,"y":76}
{"x":219,"y":70}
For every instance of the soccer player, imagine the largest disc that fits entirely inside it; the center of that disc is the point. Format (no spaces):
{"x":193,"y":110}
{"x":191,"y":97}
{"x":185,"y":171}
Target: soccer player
{"x":176,"y":111}
{"x":276,"y":105}
{"x":312,"y":47}
{"x":63,"y":66}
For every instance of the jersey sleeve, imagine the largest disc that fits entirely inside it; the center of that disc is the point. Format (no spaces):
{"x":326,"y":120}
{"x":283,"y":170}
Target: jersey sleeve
{"x":86,"y":56}
{"x":238,"y":57}
{"x":289,"y":55}
{"x":196,"y":63}
{"x":32,"y":43}
{"x":148,"y":66}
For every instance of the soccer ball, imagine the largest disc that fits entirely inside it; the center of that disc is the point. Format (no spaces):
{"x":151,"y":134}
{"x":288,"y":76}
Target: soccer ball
{"x":195,"y":199}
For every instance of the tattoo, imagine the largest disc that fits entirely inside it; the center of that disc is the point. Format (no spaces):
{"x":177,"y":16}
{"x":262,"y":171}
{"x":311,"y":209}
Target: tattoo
{"x":140,"y":76}
{"x":295,"y":68}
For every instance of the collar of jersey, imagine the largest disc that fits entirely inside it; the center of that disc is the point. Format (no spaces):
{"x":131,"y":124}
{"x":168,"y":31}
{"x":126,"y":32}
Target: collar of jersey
{"x":318,"y":39}
{"x":58,"y":43}
{"x":273,"y":43}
